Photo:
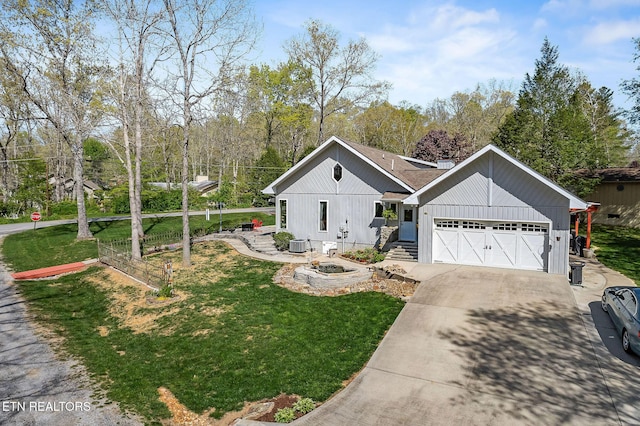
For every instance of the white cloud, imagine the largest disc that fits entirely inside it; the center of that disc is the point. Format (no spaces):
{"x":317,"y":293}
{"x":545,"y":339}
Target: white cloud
{"x":540,"y":23}
{"x":563,"y":6}
{"x":440,"y":50}
{"x":609,"y":32}
{"x":607,"y":4}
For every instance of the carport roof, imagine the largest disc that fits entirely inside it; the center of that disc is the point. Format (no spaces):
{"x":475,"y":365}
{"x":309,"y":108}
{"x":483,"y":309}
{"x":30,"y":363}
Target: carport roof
{"x":575,"y":203}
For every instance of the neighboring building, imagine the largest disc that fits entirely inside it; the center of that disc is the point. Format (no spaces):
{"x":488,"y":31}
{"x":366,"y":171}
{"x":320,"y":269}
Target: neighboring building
{"x":67,"y":185}
{"x":618,"y":194}
{"x":202,"y":184}
{"x":488,"y":210}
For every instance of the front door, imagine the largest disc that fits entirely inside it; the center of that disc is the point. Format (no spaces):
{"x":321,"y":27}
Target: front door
{"x":407,"y":223}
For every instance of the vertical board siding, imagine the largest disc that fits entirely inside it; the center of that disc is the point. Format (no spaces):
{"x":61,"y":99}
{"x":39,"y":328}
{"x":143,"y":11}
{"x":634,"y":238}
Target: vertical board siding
{"x":355,"y":213}
{"x":514,"y":187}
{"x":558,"y":218}
{"x":351,"y":201}
{"x":358,"y":177}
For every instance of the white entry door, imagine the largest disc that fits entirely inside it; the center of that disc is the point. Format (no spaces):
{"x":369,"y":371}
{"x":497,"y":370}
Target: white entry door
{"x":500,"y":244}
{"x":407,"y":222}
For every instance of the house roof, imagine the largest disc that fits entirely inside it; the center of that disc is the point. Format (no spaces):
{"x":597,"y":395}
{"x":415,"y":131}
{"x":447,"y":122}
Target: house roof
{"x":394,"y":166}
{"x":574,"y":201}
{"x":613,"y":174}
{"x":397,"y":165}
{"x":202,"y":187}
{"x":91,"y":185}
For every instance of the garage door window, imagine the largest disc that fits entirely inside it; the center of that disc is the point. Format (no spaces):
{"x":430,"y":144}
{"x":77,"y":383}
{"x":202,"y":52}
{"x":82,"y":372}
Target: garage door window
{"x":532,"y":227}
{"x":473,"y":225}
{"x":446,"y":224}
{"x":506,"y":227}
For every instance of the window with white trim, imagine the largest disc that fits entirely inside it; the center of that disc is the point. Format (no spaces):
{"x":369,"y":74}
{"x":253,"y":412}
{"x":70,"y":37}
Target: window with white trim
{"x":283,"y":214}
{"x":506,"y":227}
{"x":323,"y":214}
{"x":337,"y":172}
{"x":378,"y":208}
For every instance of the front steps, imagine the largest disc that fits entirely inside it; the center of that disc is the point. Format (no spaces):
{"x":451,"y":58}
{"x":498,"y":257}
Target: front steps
{"x":403,"y":251}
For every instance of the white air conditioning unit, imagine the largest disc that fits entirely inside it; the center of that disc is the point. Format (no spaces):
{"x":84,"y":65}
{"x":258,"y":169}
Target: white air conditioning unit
{"x":297,"y":246}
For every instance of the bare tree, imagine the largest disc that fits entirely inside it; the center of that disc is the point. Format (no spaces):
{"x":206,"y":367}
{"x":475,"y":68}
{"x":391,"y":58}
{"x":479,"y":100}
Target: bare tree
{"x":136,"y":21}
{"x":341,"y":77}
{"x":58,"y":71}
{"x":208,"y":39}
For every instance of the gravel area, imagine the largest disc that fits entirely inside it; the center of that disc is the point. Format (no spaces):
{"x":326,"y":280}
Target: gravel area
{"x":36,"y":386}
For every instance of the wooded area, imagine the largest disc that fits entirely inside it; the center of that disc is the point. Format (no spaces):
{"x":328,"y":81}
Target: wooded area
{"x":164,"y":93}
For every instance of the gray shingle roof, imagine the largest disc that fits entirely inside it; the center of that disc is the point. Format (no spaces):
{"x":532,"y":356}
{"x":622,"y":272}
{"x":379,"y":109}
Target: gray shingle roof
{"x":393,"y":164}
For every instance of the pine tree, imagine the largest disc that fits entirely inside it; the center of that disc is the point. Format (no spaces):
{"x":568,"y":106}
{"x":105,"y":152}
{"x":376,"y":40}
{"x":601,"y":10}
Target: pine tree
{"x":561,"y":124}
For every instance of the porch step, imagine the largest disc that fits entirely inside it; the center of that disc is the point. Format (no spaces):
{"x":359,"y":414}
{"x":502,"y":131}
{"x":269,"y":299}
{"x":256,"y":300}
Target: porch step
{"x":262,"y":243}
{"x":403,"y":251}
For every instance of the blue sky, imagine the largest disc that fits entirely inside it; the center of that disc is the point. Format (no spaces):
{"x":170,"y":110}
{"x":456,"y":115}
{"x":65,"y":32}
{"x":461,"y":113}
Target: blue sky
{"x":432,"y":48}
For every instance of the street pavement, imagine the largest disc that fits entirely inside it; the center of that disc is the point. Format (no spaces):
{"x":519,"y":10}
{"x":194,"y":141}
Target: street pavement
{"x":25,"y":226}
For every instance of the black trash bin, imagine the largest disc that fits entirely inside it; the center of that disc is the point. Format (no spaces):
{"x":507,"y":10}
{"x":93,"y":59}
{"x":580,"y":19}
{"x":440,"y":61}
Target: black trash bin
{"x":576,"y":272}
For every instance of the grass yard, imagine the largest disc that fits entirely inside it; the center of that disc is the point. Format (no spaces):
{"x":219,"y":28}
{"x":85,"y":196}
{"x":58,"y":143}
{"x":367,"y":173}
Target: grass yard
{"x":618,"y":248}
{"x":57,"y":245}
{"x":233,"y":336}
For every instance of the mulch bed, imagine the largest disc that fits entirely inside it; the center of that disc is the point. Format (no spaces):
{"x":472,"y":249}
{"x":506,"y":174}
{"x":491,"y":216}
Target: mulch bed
{"x":281,"y":401}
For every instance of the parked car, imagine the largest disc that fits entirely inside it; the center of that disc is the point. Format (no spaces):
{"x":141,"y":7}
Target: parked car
{"x":622,"y":305}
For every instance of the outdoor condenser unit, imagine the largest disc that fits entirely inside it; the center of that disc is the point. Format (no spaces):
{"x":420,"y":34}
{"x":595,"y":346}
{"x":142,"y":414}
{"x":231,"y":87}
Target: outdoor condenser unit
{"x":297,"y":246}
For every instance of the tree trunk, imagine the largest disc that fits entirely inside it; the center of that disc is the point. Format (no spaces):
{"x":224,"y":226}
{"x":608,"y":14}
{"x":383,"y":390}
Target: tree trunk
{"x":186,"y":237}
{"x":84,"y":232}
{"x":135,"y":234}
{"x":136,"y":209}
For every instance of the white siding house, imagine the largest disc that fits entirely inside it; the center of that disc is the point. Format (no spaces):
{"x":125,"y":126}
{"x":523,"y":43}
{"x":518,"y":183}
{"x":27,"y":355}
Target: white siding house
{"x":489,"y":210}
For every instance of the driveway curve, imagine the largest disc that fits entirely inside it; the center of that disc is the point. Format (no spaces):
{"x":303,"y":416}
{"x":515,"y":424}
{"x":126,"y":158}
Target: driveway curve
{"x":479,"y":346}
{"x":37,"y":387}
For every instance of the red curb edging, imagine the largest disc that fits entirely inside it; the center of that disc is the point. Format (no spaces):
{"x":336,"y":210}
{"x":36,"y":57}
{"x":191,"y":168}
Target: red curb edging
{"x":49,"y":272}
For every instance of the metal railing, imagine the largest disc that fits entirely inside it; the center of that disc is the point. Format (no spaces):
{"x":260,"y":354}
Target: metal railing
{"x":117,"y":254}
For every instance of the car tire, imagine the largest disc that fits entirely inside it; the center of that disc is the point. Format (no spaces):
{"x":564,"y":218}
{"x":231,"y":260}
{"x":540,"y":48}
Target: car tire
{"x":603,"y":303}
{"x":626,"y":344}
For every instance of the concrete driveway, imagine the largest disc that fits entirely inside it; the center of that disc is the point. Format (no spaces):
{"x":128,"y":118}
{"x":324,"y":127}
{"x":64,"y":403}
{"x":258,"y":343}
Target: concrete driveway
{"x":620,"y":369}
{"x":482,"y":346}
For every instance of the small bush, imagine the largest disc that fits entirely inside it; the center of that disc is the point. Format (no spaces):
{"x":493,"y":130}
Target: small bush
{"x":367,"y":255}
{"x":285,"y":415}
{"x":165,"y":292}
{"x":282,"y":239}
{"x":304,"y":405}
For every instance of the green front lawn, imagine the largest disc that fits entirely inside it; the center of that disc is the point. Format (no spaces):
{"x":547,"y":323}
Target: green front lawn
{"x":57,"y":245}
{"x":618,"y":248}
{"x":234,"y":336}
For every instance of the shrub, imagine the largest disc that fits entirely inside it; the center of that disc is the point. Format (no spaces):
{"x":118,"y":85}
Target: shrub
{"x":304,"y":405}
{"x":282,"y":239}
{"x":64,"y":208}
{"x":165,"y":292}
{"x":285,"y":415}
{"x":368,"y":255}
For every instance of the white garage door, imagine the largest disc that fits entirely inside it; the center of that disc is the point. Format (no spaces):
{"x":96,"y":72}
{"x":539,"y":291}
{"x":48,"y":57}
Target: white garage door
{"x":501,"y":244}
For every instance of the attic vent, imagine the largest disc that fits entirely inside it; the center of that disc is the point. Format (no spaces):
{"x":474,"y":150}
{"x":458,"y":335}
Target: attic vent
{"x":337,"y":172}
{"x":446,"y":164}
